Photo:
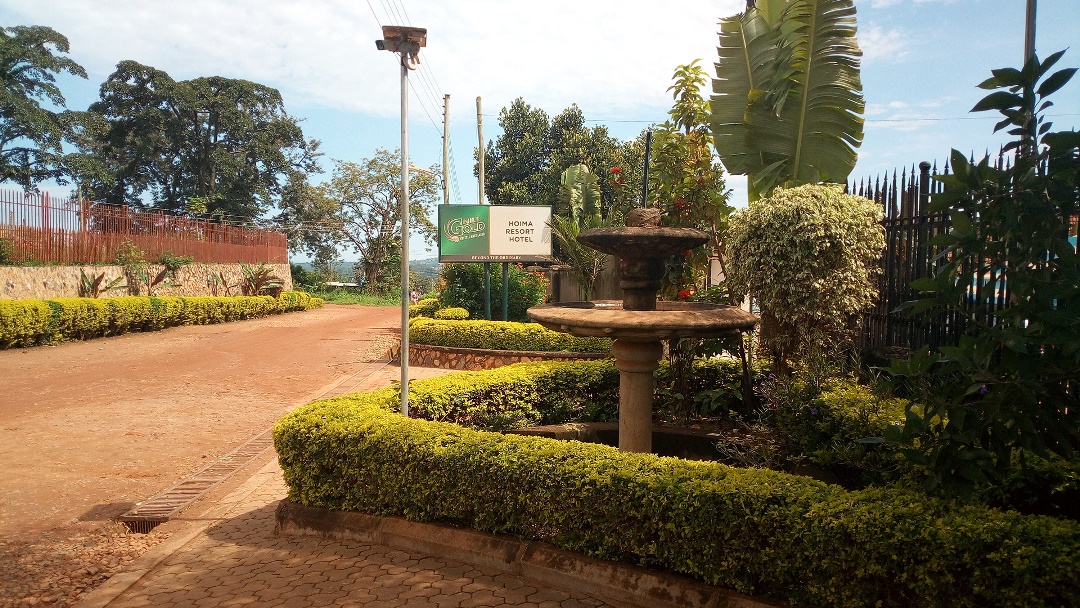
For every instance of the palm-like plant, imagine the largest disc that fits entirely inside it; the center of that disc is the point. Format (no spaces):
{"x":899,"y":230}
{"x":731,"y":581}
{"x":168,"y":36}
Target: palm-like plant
{"x":579,"y":194}
{"x":788,"y":103}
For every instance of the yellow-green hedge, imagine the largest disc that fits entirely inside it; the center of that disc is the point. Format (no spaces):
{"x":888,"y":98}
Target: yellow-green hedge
{"x":756,"y":531}
{"x":500,"y":335}
{"x":452,"y":313}
{"x":28,"y":322}
{"x":424,"y":308}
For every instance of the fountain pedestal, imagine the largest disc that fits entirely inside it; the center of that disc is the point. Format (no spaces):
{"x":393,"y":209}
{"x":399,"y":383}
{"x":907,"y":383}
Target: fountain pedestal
{"x":639,"y":323}
{"x":636,"y":362}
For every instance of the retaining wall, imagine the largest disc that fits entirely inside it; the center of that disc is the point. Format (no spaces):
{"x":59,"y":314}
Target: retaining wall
{"x":445,"y":357}
{"x":45,"y":282}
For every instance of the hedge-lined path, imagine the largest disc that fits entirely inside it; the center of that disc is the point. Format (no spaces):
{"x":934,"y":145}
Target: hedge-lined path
{"x":87,"y":429}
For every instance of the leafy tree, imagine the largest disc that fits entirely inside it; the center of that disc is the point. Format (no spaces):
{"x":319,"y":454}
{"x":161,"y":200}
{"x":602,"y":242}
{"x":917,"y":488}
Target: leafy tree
{"x":685,"y":182}
{"x":517,"y":160}
{"x":524,"y":165}
{"x":809,"y":255}
{"x":788,"y":102}
{"x":1009,"y":389}
{"x":212,"y":145}
{"x":360,"y":208}
{"x":31,"y":136}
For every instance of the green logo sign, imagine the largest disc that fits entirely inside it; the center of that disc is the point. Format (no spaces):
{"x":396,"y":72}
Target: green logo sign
{"x":494,"y":233}
{"x":464,"y":230}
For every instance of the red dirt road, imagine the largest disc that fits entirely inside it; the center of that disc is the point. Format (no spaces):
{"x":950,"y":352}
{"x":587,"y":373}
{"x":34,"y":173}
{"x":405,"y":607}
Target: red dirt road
{"x":87,"y":429}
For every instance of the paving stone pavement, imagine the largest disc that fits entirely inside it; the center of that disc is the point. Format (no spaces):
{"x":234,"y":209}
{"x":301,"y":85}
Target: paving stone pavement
{"x":239,"y":561}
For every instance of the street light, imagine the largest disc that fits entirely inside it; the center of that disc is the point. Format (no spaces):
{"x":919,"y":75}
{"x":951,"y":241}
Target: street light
{"x":406,"y":41}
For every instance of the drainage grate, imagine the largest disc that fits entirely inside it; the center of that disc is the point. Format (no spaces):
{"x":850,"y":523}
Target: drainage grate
{"x":157,"y":509}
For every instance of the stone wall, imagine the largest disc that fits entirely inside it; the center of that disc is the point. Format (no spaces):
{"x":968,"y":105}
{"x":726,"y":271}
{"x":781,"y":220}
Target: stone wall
{"x":445,"y":357}
{"x":44,"y":282}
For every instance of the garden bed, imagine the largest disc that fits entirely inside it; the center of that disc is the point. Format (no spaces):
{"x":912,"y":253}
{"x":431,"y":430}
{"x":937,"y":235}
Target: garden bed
{"x":770,"y":534}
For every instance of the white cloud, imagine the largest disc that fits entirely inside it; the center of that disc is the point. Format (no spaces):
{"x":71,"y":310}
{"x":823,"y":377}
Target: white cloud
{"x":611,"y":58}
{"x":878,"y":43}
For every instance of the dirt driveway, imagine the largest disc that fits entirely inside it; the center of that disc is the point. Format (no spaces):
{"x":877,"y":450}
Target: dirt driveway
{"x":87,"y":429}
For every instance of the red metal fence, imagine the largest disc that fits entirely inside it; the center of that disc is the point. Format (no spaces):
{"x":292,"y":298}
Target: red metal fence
{"x":45,"y":229}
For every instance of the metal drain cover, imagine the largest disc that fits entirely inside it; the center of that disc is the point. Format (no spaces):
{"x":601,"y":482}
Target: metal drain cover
{"x":157,"y":509}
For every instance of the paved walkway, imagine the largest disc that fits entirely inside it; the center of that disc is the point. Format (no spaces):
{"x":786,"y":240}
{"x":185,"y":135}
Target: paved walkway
{"x":230,"y":556}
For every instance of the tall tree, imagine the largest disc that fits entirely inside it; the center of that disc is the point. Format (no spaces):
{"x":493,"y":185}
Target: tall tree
{"x":525,"y":163}
{"x":516,"y":161}
{"x":359,"y":208}
{"x":32,"y":136}
{"x":788,"y":103}
{"x":209,"y":145}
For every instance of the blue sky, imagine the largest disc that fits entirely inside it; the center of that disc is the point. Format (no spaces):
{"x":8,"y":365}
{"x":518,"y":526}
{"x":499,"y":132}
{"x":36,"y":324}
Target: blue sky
{"x":922,"y":62}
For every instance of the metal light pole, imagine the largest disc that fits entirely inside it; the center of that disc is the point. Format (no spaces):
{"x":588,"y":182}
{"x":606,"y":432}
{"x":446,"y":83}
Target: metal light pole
{"x":405,"y":41}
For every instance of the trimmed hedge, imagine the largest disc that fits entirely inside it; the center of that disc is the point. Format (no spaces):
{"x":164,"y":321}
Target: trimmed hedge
{"x":453,"y":313}
{"x":500,"y":335}
{"x":756,"y":531}
{"x":28,"y":322}
{"x":525,"y":394}
{"x":424,"y":308}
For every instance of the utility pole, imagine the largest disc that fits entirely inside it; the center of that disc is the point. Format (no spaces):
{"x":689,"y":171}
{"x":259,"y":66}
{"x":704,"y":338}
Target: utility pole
{"x":483,"y":149}
{"x":446,"y":150}
{"x":1029,"y":31}
{"x":480,"y":156}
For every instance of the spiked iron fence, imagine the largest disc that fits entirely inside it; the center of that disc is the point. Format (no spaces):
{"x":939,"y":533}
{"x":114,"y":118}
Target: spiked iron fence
{"x":909,"y":227}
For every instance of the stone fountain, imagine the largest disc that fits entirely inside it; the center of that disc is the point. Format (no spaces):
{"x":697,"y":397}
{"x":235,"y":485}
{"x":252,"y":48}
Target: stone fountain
{"x":638,"y":323}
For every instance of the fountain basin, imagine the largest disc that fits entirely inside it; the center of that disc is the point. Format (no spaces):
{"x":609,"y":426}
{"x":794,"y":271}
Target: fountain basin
{"x":652,"y":243}
{"x":670,"y":320}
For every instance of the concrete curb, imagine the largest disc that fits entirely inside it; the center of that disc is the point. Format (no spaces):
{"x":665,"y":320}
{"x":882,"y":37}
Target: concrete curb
{"x":541,"y":562}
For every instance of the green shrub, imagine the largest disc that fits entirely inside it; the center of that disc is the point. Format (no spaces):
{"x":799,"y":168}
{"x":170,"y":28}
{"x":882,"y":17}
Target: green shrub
{"x":79,"y":318}
{"x":824,"y":420}
{"x":424,"y":308}
{"x":809,"y":256}
{"x":756,"y":531}
{"x":463,"y":286}
{"x":26,"y":322}
{"x":501,"y":335}
{"x":452,"y":314}
{"x":525,"y":394}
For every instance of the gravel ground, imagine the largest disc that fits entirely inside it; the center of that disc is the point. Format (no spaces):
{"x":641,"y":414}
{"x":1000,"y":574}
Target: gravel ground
{"x":60,"y":566}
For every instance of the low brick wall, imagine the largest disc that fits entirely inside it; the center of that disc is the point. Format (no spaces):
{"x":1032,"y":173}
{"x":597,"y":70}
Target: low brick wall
{"x":45,"y":282}
{"x":445,"y":357}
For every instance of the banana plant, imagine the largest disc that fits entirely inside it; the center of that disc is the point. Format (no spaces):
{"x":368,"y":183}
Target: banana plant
{"x":579,"y":192}
{"x":787,"y":108}
{"x":579,"y":196}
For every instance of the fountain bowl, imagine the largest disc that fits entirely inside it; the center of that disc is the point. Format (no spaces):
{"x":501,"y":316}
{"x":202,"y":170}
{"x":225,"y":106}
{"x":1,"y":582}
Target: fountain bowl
{"x":670,"y":320}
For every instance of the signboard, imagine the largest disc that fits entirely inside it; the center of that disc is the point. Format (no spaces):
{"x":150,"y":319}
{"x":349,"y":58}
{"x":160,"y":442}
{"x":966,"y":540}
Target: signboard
{"x":494,"y":233}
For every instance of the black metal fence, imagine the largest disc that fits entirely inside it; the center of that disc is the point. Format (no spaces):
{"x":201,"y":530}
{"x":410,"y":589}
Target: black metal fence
{"x":909,"y":227}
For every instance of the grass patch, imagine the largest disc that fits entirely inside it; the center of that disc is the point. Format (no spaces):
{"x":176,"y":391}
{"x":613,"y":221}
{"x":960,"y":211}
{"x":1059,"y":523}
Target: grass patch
{"x":344,"y":296}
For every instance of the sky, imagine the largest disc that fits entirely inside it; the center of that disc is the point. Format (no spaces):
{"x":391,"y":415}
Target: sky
{"x":922,"y":60}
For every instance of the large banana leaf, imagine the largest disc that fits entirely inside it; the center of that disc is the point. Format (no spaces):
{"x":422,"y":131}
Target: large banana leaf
{"x":579,"y":193}
{"x":794,"y":67}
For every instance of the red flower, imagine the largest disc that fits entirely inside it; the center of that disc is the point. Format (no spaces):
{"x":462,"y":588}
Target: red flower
{"x":686,"y":293}
{"x":616,"y":170}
